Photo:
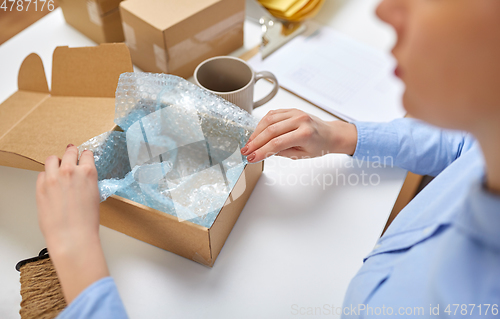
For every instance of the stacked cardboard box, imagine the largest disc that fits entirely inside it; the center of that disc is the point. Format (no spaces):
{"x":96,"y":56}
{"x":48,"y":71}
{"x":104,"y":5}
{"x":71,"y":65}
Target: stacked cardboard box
{"x":97,"y":19}
{"x":172,"y":36}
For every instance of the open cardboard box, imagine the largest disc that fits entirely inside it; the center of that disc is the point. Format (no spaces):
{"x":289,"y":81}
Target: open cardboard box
{"x":36,"y":123}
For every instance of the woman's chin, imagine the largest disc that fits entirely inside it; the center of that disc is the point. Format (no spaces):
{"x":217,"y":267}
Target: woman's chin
{"x":416,"y":110}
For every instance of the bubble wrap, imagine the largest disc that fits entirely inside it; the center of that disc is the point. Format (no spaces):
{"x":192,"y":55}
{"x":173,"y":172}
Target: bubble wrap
{"x":139,"y":94}
{"x":179,"y":151}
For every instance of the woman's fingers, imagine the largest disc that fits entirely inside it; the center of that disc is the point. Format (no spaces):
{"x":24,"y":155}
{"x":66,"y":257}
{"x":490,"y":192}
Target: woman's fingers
{"x":40,"y":182}
{"x":293,"y":153}
{"x":87,"y":158}
{"x":270,"y":132}
{"x":70,"y":157}
{"x":275,"y":145}
{"x":271,"y":117}
{"x":52,"y":165}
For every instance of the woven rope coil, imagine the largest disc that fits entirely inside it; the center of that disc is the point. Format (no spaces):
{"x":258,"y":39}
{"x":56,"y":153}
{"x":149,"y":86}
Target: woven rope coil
{"x":41,"y":291}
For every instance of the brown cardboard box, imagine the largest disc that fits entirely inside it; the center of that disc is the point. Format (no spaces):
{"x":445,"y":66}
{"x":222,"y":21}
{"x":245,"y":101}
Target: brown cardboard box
{"x":171,"y":36}
{"x":36,"y":123}
{"x":97,"y":19}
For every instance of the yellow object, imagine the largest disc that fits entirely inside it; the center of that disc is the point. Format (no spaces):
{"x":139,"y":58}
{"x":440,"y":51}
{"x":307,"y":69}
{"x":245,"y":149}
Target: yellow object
{"x":293,"y":10}
{"x":296,"y":7}
{"x":279,"y":5}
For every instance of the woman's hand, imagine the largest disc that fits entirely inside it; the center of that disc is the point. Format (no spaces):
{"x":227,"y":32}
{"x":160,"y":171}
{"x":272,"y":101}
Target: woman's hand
{"x":295,"y":134}
{"x":68,"y":214}
{"x":68,"y":199}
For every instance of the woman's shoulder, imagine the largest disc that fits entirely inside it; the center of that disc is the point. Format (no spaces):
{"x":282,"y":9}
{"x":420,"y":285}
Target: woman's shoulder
{"x":465,"y":270}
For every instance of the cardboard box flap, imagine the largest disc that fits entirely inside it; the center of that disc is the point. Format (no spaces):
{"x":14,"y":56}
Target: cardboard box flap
{"x":89,"y":71}
{"x":163,"y":14}
{"x":32,"y":75}
{"x":35,"y":124}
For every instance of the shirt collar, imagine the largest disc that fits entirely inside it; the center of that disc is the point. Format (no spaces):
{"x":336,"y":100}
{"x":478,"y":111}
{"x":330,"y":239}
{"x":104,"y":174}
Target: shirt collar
{"x":480,"y":216}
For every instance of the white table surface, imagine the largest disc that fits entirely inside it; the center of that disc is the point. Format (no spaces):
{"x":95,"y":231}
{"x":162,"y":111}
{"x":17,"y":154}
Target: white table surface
{"x":295,"y":245}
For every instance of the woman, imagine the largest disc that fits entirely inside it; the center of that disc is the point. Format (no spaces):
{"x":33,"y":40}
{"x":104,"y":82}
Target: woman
{"x":441,"y":255}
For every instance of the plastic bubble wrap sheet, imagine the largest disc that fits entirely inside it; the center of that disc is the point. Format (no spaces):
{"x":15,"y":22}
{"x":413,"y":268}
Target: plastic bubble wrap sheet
{"x":179,"y":151}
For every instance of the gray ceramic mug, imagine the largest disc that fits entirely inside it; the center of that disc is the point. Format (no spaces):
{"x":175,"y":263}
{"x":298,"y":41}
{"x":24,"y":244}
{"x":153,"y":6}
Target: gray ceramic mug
{"x":234,"y":80}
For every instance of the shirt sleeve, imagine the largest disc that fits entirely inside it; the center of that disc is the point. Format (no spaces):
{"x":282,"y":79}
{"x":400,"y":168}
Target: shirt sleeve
{"x":410,"y":144}
{"x":99,"y":300}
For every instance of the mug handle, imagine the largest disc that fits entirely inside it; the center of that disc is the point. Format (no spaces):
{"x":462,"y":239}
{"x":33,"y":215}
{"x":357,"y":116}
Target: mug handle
{"x":269,"y":76}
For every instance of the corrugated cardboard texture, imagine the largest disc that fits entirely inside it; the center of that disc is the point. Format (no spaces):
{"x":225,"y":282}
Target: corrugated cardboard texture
{"x":17,"y":107}
{"x":56,"y":122}
{"x":17,"y":161}
{"x":156,"y":228}
{"x":35,"y":125}
{"x":97,"y":19}
{"x":73,"y":74}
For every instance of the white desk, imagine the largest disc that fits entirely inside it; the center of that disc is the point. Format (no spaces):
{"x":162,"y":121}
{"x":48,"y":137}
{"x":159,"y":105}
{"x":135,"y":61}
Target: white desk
{"x":294,"y":244}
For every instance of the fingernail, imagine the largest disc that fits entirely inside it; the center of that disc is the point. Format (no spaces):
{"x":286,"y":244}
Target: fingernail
{"x":251,"y":157}
{"x":244,"y":150}
{"x":69,"y":145}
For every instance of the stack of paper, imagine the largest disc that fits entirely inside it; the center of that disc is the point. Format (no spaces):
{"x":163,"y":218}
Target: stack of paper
{"x":292,"y":10}
{"x":344,"y":77}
